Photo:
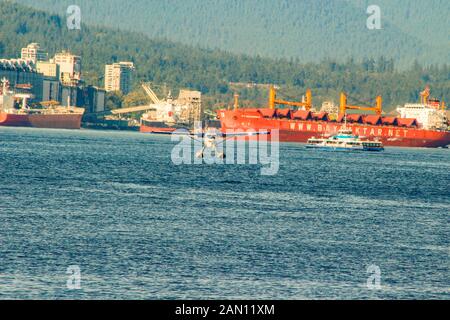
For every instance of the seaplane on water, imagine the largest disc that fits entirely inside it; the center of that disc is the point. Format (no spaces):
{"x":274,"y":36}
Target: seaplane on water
{"x":211,"y":138}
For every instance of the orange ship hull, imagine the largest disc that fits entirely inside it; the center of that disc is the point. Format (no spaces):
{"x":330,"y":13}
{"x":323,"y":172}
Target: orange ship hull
{"x":300,"y":131}
{"x":50,"y":121}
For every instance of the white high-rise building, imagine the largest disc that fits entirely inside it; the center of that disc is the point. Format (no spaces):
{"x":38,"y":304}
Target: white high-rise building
{"x":118,"y":77}
{"x":69,"y":68}
{"x":34,"y":53}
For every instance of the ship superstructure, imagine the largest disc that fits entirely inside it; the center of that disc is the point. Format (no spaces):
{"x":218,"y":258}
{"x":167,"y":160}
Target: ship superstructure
{"x":171,"y":114}
{"x":429,"y":113}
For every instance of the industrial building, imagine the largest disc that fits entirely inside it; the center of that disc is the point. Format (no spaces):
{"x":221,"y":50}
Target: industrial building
{"x":51,"y":90}
{"x":23,"y":76}
{"x":48,"y":69}
{"x":69,"y":68}
{"x":94,"y":99}
{"x":57,"y":79}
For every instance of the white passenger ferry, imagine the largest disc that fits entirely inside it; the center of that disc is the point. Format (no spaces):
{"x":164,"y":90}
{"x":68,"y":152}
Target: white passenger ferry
{"x":344,"y":141}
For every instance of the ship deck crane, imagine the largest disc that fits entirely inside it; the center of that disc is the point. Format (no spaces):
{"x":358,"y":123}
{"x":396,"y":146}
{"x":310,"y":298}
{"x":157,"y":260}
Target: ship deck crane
{"x":425,"y":95}
{"x":344,"y":106}
{"x":307,"y":104}
{"x":426,"y":100}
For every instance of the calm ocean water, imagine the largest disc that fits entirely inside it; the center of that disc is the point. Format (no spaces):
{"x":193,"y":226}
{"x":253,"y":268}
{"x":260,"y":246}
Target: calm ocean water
{"x":140,"y":227}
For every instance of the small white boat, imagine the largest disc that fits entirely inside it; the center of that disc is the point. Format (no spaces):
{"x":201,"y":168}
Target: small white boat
{"x":344,"y":141}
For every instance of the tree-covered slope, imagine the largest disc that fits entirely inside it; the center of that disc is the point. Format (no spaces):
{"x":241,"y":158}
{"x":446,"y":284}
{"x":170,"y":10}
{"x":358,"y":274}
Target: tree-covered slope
{"x":425,"y":20}
{"x":306,"y":29}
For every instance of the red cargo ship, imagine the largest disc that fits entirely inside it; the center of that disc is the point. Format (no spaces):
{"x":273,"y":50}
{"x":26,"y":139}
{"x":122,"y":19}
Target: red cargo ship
{"x":50,"y":118}
{"x":53,"y":117}
{"x":419,"y":125}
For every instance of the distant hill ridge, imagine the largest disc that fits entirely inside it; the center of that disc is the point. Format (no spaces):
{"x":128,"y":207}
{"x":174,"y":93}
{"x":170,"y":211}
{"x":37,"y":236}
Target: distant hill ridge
{"x":310,"y":30}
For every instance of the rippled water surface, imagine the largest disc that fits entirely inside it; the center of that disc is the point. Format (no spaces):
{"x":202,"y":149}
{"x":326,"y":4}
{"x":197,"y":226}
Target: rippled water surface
{"x":140,"y":227}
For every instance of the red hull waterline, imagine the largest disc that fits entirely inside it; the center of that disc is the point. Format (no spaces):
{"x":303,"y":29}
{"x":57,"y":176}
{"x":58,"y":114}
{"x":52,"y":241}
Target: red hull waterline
{"x":301,"y":131}
{"x":148,"y":129}
{"x":159,"y":127}
{"x":49,"y":121}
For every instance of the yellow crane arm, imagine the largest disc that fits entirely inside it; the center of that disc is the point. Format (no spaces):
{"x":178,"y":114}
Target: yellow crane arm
{"x":343,"y":107}
{"x":274,"y":101}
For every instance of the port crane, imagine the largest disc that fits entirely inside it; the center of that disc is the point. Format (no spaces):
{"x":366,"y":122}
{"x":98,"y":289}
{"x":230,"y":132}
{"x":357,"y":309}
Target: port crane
{"x":151,"y":93}
{"x":344,"y":106}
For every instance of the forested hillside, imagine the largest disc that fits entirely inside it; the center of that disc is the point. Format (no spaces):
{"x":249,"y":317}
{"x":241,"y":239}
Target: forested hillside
{"x":211,"y":71}
{"x":425,"y":20}
{"x":309,"y":30}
